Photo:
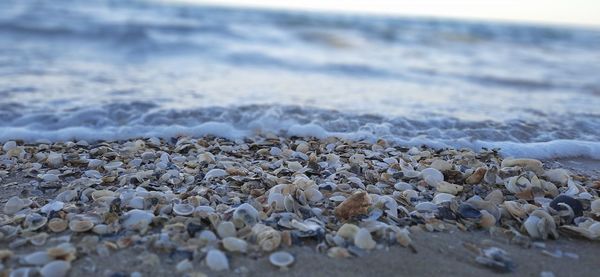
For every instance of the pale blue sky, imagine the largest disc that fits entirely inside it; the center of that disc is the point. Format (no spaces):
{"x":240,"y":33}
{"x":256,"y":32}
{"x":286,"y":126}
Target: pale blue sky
{"x":579,"y":12}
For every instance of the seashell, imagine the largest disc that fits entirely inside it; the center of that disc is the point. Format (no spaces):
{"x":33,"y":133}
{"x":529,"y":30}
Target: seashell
{"x":558,"y":176}
{"x":98,"y":194}
{"x":34,"y":221}
{"x":57,"y":225}
{"x":486,"y":220}
{"x":281,"y":259}
{"x":183,"y":209}
{"x":440,"y":198}
{"x":245,"y":215}
{"x":495,"y":197}
{"x":529,"y":164}
{"x":216,"y":260}
{"x":53,"y":206}
{"x":204,"y":211}
{"x":573,"y":203}
{"x":80,"y":225}
{"x":49,"y":177}
{"x":184,"y":266}
{"x":403,"y":238}
{"x":276,"y":199}
{"x":348,"y":231}
{"x":54,"y":160}
{"x":595,"y":206}
{"x":95,"y":163}
{"x":496,"y":259}
{"x":207,"y":236}
{"x":92,"y":174}
{"x":9,"y":146}
{"x":215,"y":173}
{"x":226,"y":229}
{"x":518,"y":184}
{"x":402,"y":186}
{"x":445,"y":187}
{"x":37,"y":258}
{"x":515,"y":209}
{"x":55,"y":269}
{"x":357,"y":204}
{"x":137,"y":220}
{"x":441,"y":165}
{"x":112,"y":165}
{"x":303,"y":147}
{"x":39,"y":239}
{"x":466,"y":210}
{"x":13,"y":205}
{"x":338,"y":252}
{"x":136,"y":203}
{"x":426,"y":207}
{"x":313,"y":195}
{"x":23,"y":272}
{"x":491,"y":176}
{"x":267,"y":238}
{"x":233,"y":244}
{"x":432,"y":176}
{"x":477,"y":176}
{"x":539,"y":225}
{"x":364,"y":240}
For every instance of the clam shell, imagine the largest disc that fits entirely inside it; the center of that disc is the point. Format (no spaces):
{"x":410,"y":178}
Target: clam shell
{"x":245,"y":215}
{"x":281,"y":259}
{"x":216,"y":260}
{"x":81,"y":225}
{"x":13,"y":205}
{"x":364,"y":240}
{"x":183,"y":209}
{"x":57,"y":225}
{"x":235,"y":245}
{"x":55,"y":269}
{"x":432,"y":176}
{"x":35,"y":221}
{"x":226,"y":229}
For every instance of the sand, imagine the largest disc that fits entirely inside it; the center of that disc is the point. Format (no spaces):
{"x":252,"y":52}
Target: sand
{"x":438,"y":253}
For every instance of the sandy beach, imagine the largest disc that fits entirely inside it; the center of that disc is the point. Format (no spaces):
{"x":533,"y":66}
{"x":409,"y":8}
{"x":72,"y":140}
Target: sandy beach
{"x":227,"y":174}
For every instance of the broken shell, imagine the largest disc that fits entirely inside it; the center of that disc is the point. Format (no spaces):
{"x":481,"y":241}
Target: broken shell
{"x":595,"y":206}
{"x":245,"y":215}
{"x":137,"y":219}
{"x":281,"y":259}
{"x":57,"y":225}
{"x":233,"y":244}
{"x":432,"y":176}
{"x":476,"y":177}
{"x":357,"y":204}
{"x":13,"y":205}
{"x":573,"y":203}
{"x":216,"y":260}
{"x":364,"y":240}
{"x":558,"y":176}
{"x":53,"y":206}
{"x":35,"y":221}
{"x":37,"y":258}
{"x":55,"y":269}
{"x":466,"y":210}
{"x":267,"y":238}
{"x":80,"y":225}
{"x":486,"y":220}
{"x":183,"y":209}
{"x":348,"y":231}
{"x":226,"y":229}
{"x":338,"y":252}
{"x":528,"y":164}
{"x":445,"y":187}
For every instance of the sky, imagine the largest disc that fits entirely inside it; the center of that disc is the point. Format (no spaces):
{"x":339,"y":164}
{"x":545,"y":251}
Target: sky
{"x":569,"y":12}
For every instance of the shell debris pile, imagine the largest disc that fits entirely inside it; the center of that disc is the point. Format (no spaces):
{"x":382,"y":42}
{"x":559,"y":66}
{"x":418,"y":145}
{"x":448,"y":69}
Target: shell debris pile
{"x":214,"y":198}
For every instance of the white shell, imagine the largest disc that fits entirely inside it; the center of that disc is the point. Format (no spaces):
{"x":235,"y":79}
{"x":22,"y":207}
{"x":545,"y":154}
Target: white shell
{"x":53,"y":206}
{"x":233,"y":244}
{"x":55,"y":269}
{"x":281,"y":259}
{"x":216,"y":260}
{"x":595,"y":206}
{"x":37,"y":258}
{"x":13,"y":205}
{"x":364,"y":240}
{"x":226,"y":229}
{"x":137,"y":219}
{"x":442,"y":197}
{"x":9,"y":145}
{"x":183,"y":209}
{"x":215,"y":173}
{"x":432,"y":176}
{"x":246,"y":214}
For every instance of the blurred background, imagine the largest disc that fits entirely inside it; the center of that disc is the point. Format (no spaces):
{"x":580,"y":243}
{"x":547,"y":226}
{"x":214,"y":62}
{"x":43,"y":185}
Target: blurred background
{"x":520,"y":75}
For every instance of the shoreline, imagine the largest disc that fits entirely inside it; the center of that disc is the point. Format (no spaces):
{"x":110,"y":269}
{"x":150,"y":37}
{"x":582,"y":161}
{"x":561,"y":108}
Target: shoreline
{"x":223,"y":174}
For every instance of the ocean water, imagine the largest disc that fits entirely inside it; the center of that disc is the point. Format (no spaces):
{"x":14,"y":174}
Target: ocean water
{"x":101,"y":69}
